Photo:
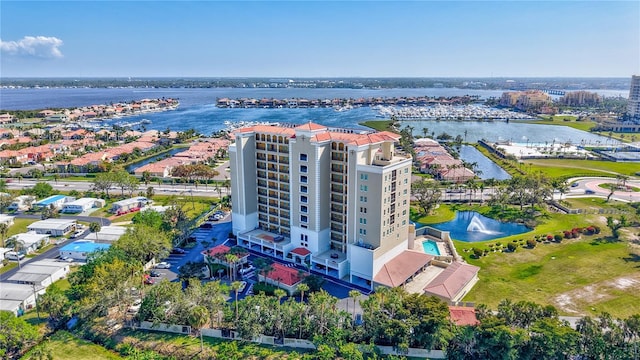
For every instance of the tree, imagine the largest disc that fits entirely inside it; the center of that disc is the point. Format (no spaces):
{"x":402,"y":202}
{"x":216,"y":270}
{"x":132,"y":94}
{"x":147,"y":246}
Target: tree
{"x":354,"y":295}
{"x":235,"y":286}
{"x":198,"y":317}
{"x":427,"y":194}
{"x":302,"y":288}
{"x":149,"y":218}
{"x":95,"y":228}
{"x":42,"y":190}
{"x":55,"y":303}
{"x":4,"y":230}
{"x":143,"y":243}
{"x":17,"y":335}
{"x":146,"y":177}
{"x":104,"y":182}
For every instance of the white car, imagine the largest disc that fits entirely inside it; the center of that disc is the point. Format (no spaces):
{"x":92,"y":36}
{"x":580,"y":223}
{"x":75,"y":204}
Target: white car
{"x":66,"y":259}
{"x":247,"y":270}
{"x":135,"y":306}
{"x":163,"y":265}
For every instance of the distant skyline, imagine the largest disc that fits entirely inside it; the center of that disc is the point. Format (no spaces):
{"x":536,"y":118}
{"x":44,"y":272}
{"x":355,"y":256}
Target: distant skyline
{"x":319,"y":39}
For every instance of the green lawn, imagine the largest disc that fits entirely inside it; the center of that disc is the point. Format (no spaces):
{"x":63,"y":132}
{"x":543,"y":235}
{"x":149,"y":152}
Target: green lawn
{"x":443,"y":213}
{"x":567,"y":168}
{"x":63,"y":345}
{"x":564,"y":120}
{"x":578,"y":277}
{"x":379,"y":125}
{"x":19,"y":226}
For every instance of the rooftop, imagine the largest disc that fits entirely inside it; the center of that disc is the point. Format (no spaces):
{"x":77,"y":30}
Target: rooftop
{"x":286,"y":275}
{"x":452,"y":280}
{"x":85,"y":246}
{"x":51,"y":200}
{"x":399,"y":269}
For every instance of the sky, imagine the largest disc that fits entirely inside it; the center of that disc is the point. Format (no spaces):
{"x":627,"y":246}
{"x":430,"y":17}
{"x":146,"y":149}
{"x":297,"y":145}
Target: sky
{"x":319,"y":39}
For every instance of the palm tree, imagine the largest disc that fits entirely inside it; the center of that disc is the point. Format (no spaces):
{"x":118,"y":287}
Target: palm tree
{"x":354,"y":294}
{"x":235,"y":286}
{"x":95,"y":227}
{"x":198,"y":317}
{"x":4,"y":229}
{"x":302,"y":288}
{"x":231,"y":259}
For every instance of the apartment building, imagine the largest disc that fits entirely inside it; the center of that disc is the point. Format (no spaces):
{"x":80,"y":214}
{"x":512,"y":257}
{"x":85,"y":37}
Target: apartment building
{"x":633,"y":105}
{"x":334,"y":199}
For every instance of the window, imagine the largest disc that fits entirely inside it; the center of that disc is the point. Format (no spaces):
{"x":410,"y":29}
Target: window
{"x":405,"y":181}
{"x":364,"y":176}
{"x":303,"y":168}
{"x":303,"y":189}
{"x":363,"y":198}
{"x":303,"y":179}
{"x":363,"y":221}
{"x":406,"y":170}
{"x":404,"y":192}
{"x":363,"y":232}
{"x":364,"y":187}
{"x":404,"y":202}
{"x":304,"y":218}
{"x":363,"y":210}
{"x":303,"y":199}
{"x":304,"y":209}
{"x":303,"y":157}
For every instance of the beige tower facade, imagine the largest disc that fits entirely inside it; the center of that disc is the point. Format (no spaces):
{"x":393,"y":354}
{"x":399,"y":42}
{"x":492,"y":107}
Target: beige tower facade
{"x":336,"y":200}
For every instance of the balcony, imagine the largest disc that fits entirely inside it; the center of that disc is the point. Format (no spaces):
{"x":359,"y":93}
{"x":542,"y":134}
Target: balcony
{"x":337,"y":157}
{"x":260,"y":146}
{"x":338,"y":168}
{"x":337,"y":218}
{"x":283,"y":160}
{"x":338,"y":188}
{"x":337,"y":199}
{"x":283,"y":149}
{"x":262,"y":192}
{"x":284,"y":197}
{"x":284,"y":188}
{"x":284,"y":214}
{"x":284,"y":178}
{"x":261,"y":165}
{"x":337,"y":228}
{"x":337,"y":209}
{"x":262,"y":201}
{"x":338,"y":179}
{"x":262,"y":183}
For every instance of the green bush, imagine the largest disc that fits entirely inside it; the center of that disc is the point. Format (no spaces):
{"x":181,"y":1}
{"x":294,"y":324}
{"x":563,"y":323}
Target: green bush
{"x":531,"y":243}
{"x":264,"y":288}
{"x":512,"y":247}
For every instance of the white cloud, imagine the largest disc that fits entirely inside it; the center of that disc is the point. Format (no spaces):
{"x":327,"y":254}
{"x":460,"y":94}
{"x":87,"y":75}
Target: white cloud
{"x":35,"y":46}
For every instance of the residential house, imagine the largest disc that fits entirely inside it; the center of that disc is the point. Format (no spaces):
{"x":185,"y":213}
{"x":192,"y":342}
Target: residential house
{"x":55,"y":227}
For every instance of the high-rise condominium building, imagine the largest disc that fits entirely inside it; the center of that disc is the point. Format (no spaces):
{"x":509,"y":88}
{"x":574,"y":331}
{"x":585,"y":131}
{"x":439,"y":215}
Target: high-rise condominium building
{"x":633,"y":106}
{"x":336,"y":200}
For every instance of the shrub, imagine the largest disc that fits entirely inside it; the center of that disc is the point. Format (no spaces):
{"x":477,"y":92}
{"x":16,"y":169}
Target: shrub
{"x":567,"y":235}
{"x":549,"y":237}
{"x":512,"y":247}
{"x":531,"y":243}
{"x":477,"y":252}
{"x":557,"y":237}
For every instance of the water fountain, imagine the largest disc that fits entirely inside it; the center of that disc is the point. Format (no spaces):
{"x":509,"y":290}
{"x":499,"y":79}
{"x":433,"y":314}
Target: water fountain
{"x":471,"y":226}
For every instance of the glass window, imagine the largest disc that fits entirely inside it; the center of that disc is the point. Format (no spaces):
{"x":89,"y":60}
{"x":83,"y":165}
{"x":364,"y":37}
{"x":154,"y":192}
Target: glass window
{"x":303,"y":199}
{"x":303,"y":157}
{"x":303,"y":168}
{"x":304,"y":209}
{"x":304,"y":218}
{"x":303,"y":179}
{"x":364,"y":176}
{"x":303,"y":189}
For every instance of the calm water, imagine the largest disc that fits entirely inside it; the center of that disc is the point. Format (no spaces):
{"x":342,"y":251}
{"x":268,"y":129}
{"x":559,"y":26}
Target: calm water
{"x":470,"y":226}
{"x":490,"y":170}
{"x":197,"y":110}
{"x":144,"y":162}
{"x":430,"y":248}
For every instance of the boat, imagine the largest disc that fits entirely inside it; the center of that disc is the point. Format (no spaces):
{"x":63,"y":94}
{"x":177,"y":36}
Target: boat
{"x":145,"y":121}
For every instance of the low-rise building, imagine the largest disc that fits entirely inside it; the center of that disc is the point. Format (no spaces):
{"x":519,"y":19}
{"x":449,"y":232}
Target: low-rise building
{"x":81,"y":249}
{"x":21,"y":203}
{"x":30,"y":242}
{"x":284,"y":277}
{"x":57,"y":201}
{"x":128,"y":205}
{"x":40,"y":273}
{"x":83,"y":204}
{"x":454,"y":282}
{"x":55,"y":227}
{"x":107,"y":234}
{"x":18,"y":298}
{"x":6,"y":219}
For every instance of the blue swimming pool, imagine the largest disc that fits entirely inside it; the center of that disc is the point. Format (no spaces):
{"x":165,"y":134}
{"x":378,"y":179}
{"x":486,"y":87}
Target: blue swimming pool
{"x":430,"y":247}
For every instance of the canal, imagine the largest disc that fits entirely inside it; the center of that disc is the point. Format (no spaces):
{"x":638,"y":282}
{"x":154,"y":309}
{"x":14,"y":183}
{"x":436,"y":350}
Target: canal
{"x":489,"y":169}
{"x":132,"y":167}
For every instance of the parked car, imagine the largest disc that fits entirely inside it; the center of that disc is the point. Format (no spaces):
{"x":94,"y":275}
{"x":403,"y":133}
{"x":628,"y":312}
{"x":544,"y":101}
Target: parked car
{"x":206,"y":226}
{"x":589,"y":192}
{"x":154,"y":273}
{"x":163,"y":265}
{"x":178,"y":251}
{"x":148,"y":280}
{"x":247,"y":269}
{"x":12,"y":255}
{"x":575,"y":184}
{"x":66,"y":259}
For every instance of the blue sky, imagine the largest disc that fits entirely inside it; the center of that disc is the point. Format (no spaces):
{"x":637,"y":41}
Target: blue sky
{"x":320,"y":39}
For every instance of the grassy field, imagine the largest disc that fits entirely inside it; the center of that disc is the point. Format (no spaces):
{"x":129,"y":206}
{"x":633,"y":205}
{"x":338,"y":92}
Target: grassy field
{"x":564,"y":120}
{"x":379,"y":125}
{"x":443,"y":213}
{"x":567,"y":168}
{"x":19,"y":226}
{"x":582,"y":276}
{"x":578,"y":277}
{"x":63,"y":345}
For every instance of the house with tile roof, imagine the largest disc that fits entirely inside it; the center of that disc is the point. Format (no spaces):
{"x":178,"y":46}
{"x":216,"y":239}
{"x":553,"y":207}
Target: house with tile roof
{"x":454,"y":282}
{"x":284,"y":277}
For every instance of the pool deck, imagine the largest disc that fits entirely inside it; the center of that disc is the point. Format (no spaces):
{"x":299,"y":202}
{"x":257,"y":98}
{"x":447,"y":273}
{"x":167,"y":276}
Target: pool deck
{"x":420,"y":281}
{"x":442,"y":248}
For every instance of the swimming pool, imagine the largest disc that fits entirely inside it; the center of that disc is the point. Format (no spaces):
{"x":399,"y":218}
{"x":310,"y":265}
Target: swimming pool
{"x":430,"y":247}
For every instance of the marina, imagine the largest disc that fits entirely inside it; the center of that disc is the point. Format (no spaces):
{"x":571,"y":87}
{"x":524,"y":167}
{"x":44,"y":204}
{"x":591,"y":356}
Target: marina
{"x":451,"y":112}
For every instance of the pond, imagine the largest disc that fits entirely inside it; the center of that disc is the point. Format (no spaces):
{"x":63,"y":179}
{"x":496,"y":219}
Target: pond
{"x":489,"y":169}
{"x":471,"y":226}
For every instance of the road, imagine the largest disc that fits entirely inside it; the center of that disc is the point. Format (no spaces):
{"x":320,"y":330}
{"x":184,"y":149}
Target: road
{"x":54,"y":252}
{"x":590,"y":186}
{"x":83,"y":186}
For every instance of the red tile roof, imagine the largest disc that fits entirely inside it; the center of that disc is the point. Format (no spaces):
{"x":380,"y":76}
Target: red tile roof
{"x":452,"y":280}
{"x":220,"y":249}
{"x":461,"y":315}
{"x":286,"y":275}
{"x":311,"y":127}
{"x":301,"y":251}
{"x":397,"y":270}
